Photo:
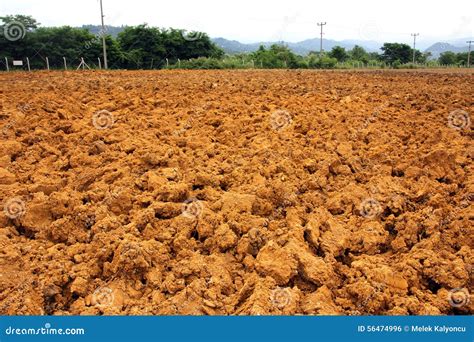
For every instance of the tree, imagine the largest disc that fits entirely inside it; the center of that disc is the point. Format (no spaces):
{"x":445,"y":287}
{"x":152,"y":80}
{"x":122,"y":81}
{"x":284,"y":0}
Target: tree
{"x":421,"y":57}
{"x":15,"y":32}
{"x":396,"y":52}
{"x":374,"y":56}
{"x":447,"y":57}
{"x":71,"y":43}
{"x":338,"y":53}
{"x":277,"y":56}
{"x":427,"y":55}
{"x":28,"y":22}
{"x":143,"y":44}
{"x":461,"y":58}
{"x":358,"y":53}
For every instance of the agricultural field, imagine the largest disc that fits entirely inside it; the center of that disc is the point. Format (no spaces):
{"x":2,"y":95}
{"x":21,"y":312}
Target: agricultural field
{"x":236,"y":192}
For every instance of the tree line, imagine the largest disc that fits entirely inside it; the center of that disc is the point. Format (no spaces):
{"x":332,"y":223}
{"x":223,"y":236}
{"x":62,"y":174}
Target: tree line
{"x":136,"y":47}
{"x":393,"y":55}
{"x":145,"y":47}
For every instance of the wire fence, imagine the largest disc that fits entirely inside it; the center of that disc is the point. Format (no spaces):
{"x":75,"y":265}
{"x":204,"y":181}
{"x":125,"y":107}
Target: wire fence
{"x":79,"y":63}
{"x":45,"y":63}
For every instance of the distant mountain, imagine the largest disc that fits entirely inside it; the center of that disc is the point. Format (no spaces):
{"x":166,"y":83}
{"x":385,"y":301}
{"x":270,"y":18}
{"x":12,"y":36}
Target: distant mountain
{"x":305,"y":46}
{"x":233,"y":46}
{"x":438,"y":48}
{"x":112,"y":30}
{"x":301,"y":48}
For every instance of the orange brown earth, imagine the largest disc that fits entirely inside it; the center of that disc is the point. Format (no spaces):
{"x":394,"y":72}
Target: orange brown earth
{"x":236,"y":192}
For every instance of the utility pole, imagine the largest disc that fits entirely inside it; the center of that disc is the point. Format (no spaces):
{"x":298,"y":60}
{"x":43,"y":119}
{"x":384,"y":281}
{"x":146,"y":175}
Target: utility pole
{"x":103,"y":36}
{"x":321,"y":41}
{"x":414,"y":45}
{"x":469,"y":53}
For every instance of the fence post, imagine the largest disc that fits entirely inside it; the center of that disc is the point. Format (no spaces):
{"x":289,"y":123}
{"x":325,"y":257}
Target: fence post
{"x":167,"y":63}
{"x":28,"y":63}
{"x":100,"y":63}
{"x":6,"y":63}
{"x":65,"y":64}
{"x":179,"y":63}
{"x":47,"y":63}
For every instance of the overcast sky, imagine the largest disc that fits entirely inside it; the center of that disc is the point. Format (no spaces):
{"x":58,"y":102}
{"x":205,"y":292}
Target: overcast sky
{"x":268,"y":20}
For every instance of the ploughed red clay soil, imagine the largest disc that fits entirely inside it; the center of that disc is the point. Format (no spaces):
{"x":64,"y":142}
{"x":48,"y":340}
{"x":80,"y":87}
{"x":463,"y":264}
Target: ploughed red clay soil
{"x":236,"y":192}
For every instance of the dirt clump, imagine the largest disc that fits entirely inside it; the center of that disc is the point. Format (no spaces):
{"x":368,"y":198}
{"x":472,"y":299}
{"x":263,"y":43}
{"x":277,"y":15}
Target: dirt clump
{"x":236,"y":192}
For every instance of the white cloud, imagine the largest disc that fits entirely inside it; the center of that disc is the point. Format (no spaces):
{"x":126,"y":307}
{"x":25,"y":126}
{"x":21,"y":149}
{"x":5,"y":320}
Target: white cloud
{"x":251,"y":20}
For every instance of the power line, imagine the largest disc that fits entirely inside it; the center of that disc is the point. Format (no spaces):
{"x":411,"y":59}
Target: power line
{"x":469,"y":53}
{"x":103,"y":36}
{"x":414,"y":45}
{"x":321,"y":41}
